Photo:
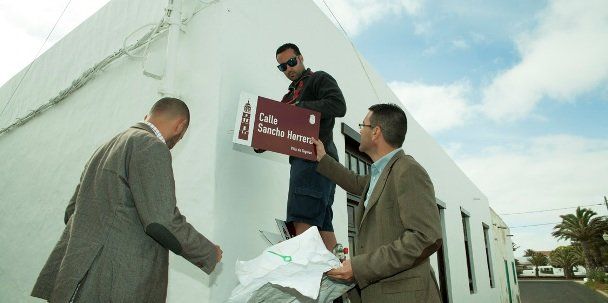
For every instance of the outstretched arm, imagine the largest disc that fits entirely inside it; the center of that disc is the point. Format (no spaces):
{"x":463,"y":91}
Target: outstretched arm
{"x":333,"y":170}
{"x":153,"y":187}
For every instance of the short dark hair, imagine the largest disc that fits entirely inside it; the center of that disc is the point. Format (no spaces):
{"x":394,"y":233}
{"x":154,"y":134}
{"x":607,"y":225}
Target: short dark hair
{"x":171,"y":106}
{"x":392,"y":121}
{"x":287,"y":46}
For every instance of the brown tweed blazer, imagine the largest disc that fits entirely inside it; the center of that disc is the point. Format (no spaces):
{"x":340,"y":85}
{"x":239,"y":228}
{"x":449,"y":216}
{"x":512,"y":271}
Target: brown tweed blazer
{"x":398,"y":231}
{"x":120,"y":224}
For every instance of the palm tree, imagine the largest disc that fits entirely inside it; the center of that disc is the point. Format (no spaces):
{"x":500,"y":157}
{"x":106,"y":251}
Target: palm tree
{"x":577,"y":250}
{"x":528,"y":252}
{"x":599,"y":246}
{"x":581,"y":227}
{"x":565,"y":257}
{"x":536,"y":258}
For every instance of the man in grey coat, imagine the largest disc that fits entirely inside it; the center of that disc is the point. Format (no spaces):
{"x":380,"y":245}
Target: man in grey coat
{"x":122,"y":220}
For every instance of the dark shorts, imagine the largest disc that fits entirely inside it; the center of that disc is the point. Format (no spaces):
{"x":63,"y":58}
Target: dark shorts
{"x":310,"y":196}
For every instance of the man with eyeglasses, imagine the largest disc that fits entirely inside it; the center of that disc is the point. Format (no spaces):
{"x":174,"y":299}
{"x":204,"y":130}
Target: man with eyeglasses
{"x":311,"y":195}
{"x":399,"y":227}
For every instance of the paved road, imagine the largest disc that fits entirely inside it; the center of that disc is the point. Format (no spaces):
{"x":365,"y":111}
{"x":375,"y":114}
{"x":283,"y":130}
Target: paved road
{"x":533,"y":291}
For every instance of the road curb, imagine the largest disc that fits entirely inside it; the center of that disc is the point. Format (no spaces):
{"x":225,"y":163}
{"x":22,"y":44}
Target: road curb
{"x":597,"y":290}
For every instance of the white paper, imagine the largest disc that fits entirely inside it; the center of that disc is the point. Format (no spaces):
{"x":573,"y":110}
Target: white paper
{"x":309,"y":260}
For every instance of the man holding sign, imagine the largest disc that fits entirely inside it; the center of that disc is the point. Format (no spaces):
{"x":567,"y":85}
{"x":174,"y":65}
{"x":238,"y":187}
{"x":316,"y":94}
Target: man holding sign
{"x":311,"y":195}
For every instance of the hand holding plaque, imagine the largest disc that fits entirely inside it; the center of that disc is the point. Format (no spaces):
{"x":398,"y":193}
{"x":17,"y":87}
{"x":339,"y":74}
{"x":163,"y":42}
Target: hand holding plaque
{"x":265,"y":124}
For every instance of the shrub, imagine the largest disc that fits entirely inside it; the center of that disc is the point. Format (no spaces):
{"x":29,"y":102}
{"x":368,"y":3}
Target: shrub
{"x":597,"y":276}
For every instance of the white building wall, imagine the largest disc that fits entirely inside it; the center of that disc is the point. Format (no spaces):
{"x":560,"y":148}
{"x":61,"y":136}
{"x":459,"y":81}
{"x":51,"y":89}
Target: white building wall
{"x":502,"y":251}
{"x":227,"y":192}
{"x":43,"y":159}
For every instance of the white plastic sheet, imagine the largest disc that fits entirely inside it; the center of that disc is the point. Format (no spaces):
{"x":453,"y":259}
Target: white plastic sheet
{"x":297,"y":263}
{"x":330,"y":290}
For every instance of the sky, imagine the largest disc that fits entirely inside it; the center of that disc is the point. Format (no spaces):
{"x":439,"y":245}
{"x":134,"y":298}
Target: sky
{"x":515,"y":91}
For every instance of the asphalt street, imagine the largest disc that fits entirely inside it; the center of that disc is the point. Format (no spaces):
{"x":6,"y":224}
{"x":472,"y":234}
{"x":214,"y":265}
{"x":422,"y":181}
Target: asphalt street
{"x":539,"y":291}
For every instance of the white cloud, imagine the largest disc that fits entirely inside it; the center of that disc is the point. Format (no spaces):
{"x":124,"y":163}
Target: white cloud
{"x":477,"y":37}
{"x":25,"y":24}
{"x":34,"y":17}
{"x":37,"y":17}
{"x":22,"y":49}
{"x":460,"y":44}
{"x":453,"y":148}
{"x":430,"y":51}
{"x":535,"y":238}
{"x":542,"y":173}
{"x":560,"y":59}
{"x":356,"y":15}
{"x":553,"y":171}
{"x":422,"y":28}
{"x":436,"y":108}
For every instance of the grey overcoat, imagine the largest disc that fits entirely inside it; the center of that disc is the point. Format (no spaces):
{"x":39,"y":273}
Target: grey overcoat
{"x":120,"y":224}
{"x":398,"y":231}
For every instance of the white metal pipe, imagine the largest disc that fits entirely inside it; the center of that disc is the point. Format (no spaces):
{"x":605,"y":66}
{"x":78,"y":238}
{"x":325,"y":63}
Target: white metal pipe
{"x":174,"y":11}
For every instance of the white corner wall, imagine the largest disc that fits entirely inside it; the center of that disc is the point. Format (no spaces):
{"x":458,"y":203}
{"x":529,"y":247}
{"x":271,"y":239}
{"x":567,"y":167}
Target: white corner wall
{"x":506,"y":278}
{"x":227,"y":192}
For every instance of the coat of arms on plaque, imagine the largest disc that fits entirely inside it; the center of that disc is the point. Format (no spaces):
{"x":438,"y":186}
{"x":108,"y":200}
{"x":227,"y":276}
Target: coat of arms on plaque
{"x":244,"y":128}
{"x":311,"y":119}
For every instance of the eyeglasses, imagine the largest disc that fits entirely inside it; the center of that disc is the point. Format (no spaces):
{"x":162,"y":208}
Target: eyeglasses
{"x":361,"y":125}
{"x":291,"y":62}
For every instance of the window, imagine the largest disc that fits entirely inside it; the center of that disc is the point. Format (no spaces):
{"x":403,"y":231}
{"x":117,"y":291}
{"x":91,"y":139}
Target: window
{"x":546,"y":270}
{"x":351,"y":215}
{"x":442,"y":260}
{"x":358,"y":163}
{"x":353,"y":164}
{"x":486,"y":239}
{"x":508,"y":282}
{"x":468,"y":249}
{"x":363,"y":167}
{"x":351,"y":244}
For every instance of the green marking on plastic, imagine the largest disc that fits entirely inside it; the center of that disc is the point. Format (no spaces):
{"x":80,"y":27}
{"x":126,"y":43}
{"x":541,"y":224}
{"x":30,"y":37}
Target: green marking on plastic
{"x":285,"y":258}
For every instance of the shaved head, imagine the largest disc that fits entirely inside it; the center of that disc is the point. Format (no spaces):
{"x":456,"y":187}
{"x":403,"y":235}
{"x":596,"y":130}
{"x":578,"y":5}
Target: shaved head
{"x":170,"y":108}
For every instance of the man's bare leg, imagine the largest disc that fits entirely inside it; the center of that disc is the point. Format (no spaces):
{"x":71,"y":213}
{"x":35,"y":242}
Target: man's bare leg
{"x":329,"y":238}
{"x":301,"y":227}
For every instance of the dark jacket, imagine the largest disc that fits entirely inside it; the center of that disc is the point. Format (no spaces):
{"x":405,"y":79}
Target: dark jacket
{"x":319,"y":91}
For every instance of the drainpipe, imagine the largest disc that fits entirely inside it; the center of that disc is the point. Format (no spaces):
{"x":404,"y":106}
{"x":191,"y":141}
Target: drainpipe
{"x":174,"y":12}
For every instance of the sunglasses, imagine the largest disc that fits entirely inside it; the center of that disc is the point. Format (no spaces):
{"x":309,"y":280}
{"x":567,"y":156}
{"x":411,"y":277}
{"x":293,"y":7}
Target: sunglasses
{"x":291,"y":62}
